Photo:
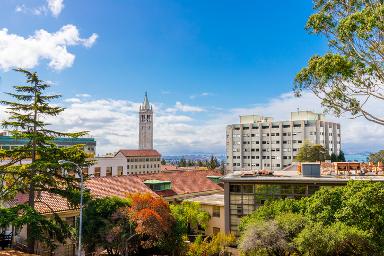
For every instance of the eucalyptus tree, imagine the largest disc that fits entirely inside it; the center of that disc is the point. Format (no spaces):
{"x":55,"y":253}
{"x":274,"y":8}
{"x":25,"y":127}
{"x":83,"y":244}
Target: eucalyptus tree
{"x":350,"y":77}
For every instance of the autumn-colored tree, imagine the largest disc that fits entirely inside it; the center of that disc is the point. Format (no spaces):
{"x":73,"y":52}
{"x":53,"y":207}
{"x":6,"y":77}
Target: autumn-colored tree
{"x":152,"y":217}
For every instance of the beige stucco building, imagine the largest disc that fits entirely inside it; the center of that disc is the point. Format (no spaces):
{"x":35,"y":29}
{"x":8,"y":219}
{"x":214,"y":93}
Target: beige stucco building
{"x":214,"y":205}
{"x":261,"y":143}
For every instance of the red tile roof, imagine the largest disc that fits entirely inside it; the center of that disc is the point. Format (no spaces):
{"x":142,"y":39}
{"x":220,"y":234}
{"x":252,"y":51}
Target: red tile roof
{"x":45,"y":202}
{"x":119,"y":186}
{"x":185,"y":182}
{"x":139,"y":152}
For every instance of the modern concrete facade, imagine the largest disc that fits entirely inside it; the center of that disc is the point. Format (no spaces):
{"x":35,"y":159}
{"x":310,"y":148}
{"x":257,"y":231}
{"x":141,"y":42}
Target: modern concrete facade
{"x":245,"y":192}
{"x":146,"y":125}
{"x":260,"y":143}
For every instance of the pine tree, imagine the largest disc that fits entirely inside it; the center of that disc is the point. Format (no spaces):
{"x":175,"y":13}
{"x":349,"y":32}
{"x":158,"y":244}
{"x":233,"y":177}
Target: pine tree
{"x":341,"y":157}
{"x":42,"y":172}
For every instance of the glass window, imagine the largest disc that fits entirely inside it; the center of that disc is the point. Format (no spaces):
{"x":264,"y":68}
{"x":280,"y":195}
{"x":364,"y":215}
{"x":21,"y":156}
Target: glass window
{"x":97,"y":172}
{"x":216,"y":211}
{"x":108,"y":171}
{"x":120,"y":170}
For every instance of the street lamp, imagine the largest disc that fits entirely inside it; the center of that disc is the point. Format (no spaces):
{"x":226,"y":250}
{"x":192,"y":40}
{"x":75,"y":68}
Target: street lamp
{"x":81,"y":200}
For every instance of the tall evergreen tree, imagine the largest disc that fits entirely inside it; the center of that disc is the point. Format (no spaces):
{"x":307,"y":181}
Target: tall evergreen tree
{"x":33,"y":168}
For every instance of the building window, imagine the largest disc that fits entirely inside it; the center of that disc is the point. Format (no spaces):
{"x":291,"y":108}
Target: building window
{"x":85,"y":171}
{"x":108,"y":171}
{"x":216,"y":211}
{"x":97,"y":172}
{"x":120,"y":170}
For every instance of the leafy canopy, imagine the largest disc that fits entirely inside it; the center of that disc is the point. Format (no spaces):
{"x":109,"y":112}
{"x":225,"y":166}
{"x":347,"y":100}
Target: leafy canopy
{"x":351,"y":76}
{"x":33,"y":168}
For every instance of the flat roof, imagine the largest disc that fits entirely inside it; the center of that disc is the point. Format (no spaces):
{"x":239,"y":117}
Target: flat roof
{"x":214,"y":199}
{"x":294,"y":177}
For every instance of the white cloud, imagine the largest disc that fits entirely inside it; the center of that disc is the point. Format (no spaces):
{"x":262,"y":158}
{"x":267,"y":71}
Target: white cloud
{"x":83,"y":95}
{"x":18,"y":51}
{"x":184,"y":108}
{"x":114,"y":124}
{"x":55,"y":6}
{"x":203,"y":94}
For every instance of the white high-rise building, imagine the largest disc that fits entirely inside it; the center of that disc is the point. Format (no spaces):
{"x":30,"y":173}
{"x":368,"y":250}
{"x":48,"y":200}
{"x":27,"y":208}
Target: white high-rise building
{"x":260,"y":143}
{"x":146,"y":125}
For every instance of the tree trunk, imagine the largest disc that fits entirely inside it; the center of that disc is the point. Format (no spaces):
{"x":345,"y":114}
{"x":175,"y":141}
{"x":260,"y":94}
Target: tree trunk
{"x":31,"y":201}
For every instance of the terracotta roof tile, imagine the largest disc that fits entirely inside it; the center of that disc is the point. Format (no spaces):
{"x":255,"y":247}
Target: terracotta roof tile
{"x":185,"y":182}
{"x":45,"y":202}
{"x":117,"y":186}
{"x":140,"y":152}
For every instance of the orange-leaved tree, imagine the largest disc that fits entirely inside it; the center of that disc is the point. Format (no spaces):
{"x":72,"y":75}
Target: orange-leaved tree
{"x":152,"y":217}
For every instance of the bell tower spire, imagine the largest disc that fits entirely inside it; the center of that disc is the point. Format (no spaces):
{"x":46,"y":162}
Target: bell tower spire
{"x":146,"y":124}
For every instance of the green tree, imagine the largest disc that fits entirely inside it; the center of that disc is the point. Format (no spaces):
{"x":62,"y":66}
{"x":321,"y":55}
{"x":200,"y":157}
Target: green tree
{"x":163,"y":162}
{"x":191,"y":217}
{"x":213,"y":163}
{"x":341,"y":156}
{"x":352,"y":73}
{"x":334,"y":221}
{"x":334,"y":158}
{"x":182,"y":162}
{"x":311,"y":153}
{"x":43,"y":173}
{"x":211,"y":245}
{"x":335,"y":239}
{"x":100,"y":218}
{"x":376,"y":157}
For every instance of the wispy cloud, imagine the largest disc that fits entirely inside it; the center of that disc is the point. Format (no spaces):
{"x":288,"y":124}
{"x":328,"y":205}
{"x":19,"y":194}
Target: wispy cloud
{"x":55,"y":7}
{"x":184,"y":108}
{"x":203,"y":94}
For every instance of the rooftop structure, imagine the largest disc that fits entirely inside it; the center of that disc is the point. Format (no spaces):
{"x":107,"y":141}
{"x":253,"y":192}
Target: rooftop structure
{"x":9,"y":142}
{"x":260,"y":143}
{"x":245,"y":191}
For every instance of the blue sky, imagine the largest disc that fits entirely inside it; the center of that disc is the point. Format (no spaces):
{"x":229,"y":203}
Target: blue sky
{"x":198,"y":60}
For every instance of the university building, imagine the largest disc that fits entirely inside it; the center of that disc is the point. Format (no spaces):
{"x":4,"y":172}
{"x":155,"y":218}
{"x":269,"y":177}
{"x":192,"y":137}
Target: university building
{"x":144,"y":160}
{"x":9,"y":142}
{"x":245,"y":191}
{"x":259,"y":142}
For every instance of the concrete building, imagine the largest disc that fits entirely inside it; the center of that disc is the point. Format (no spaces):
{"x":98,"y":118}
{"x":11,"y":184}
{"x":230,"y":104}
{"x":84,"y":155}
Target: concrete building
{"x":260,"y":143}
{"x":245,"y":191}
{"x":8,"y":142}
{"x":146,"y":125}
{"x":125,"y":162}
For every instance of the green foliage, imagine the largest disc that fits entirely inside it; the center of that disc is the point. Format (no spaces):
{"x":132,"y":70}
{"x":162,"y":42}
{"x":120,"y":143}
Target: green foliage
{"x":27,"y":115}
{"x":376,"y":157}
{"x":350,"y":75}
{"x":311,"y":153}
{"x":213,"y":163}
{"x":211,"y":246}
{"x":190,"y":216}
{"x":99,"y":218}
{"x":163,"y":162}
{"x":341,"y":157}
{"x":346,"y":220}
{"x":335,"y":239}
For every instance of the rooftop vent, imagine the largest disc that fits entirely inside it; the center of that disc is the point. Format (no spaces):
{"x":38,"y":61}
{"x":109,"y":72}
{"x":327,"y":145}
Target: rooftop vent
{"x":310,"y":169}
{"x":158,"y":185}
{"x":215,"y":179}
